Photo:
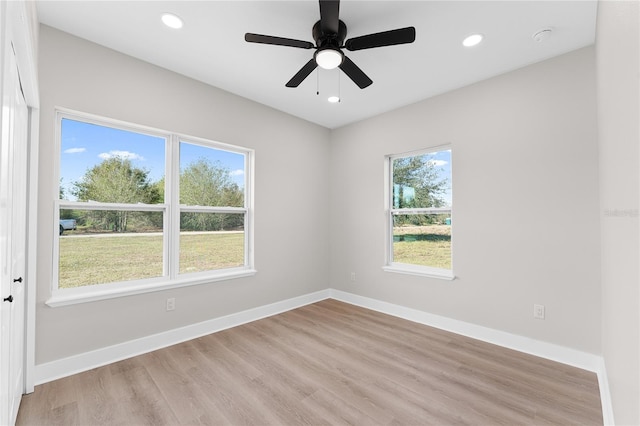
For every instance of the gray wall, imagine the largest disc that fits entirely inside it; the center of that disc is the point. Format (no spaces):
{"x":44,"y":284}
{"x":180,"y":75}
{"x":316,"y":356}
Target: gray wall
{"x":291,"y":249}
{"x":526,"y":213}
{"x":525,"y":202}
{"x":618,"y":47}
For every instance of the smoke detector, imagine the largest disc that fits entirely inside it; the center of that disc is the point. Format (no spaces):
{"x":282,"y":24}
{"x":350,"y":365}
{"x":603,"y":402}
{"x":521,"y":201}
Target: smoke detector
{"x":542,"y":34}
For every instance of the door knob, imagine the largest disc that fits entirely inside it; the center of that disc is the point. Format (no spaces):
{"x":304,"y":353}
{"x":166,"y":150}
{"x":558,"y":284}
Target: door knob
{"x":9,"y":299}
{"x":17,"y":280}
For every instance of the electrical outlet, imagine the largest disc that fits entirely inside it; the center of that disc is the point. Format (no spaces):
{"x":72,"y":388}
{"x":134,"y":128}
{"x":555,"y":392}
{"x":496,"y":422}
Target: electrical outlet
{"x":353,"y":276}
{"x":171,"y":304}
{"x":538,"y":311}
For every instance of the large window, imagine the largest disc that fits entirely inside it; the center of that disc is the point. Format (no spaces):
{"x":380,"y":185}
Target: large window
{"x":419,"y":207}
{"x":141,"y":209}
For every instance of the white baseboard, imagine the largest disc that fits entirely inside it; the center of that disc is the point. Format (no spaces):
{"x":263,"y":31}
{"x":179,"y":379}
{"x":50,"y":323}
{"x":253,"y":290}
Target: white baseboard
{"x":562,"y":354}
{"x":86,"y":361}
{"x":605,"y":395}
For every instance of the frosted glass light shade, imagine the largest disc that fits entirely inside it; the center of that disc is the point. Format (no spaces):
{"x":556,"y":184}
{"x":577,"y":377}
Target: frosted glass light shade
{"x":328,"y":58}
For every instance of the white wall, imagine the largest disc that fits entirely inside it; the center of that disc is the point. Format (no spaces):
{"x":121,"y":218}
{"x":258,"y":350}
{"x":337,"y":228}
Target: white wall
{"x":525,"y":220}
{"x":291,"y":155}
{"x":618,"y":71}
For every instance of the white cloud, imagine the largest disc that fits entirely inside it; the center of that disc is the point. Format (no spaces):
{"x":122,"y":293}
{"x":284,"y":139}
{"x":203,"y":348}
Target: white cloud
{"x":438,"y":163}
{"x":74,"y":150}
{"x":238,"y":172}
{"x":121,"y":154}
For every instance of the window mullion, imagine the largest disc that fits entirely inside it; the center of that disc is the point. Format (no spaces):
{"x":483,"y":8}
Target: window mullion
{"x":248,"y":204}
{"x":207,"y":209}
{"x":389,"y":208}
{"x":173,"y":184}
{"x":429,"y":210}
{"x":96,"y":205}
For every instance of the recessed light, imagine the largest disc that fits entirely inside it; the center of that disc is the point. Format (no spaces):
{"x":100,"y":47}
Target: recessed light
{"x":472,"y":40}
{"x":333,"y":99}
{"x":172,"y":21}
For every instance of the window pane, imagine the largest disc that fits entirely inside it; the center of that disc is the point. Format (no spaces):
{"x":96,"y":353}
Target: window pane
{"x":422,"y":240}
{"x":211,"y":241}
{"x":422,"y":181}
{"x":110,"y":165}
{"x":109,"y":246}
{"x":211,"y":177}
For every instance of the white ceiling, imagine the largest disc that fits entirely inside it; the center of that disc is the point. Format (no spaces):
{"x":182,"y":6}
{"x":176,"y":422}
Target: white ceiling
{"x":211,"y":47}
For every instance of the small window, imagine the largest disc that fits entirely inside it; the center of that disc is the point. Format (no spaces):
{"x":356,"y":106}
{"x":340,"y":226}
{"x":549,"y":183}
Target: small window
{"x":142,"y":208}
{"x":419,"y":219}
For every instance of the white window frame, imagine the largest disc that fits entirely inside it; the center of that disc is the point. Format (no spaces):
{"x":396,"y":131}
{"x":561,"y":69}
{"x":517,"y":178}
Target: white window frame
{"x":390,"y":212}
{"x":171,"y":209}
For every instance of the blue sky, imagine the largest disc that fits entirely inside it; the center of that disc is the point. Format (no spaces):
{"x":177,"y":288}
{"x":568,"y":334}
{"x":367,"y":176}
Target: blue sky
{"x":85,"y":145}
{"x":442,"y":161}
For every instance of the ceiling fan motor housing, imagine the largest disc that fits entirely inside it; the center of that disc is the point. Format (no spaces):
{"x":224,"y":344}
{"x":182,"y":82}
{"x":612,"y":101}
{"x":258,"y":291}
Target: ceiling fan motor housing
{"x":329,"y":40}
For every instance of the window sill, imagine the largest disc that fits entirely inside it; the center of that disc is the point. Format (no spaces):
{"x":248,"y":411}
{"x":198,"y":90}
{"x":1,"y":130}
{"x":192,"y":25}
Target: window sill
{"x":422,"y":271}
{"x":102,"y":292}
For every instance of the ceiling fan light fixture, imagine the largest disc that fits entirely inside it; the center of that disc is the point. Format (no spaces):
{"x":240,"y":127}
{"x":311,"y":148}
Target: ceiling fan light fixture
{"x":328,"y":58}
{"x":472,"y":40}
{"x":329,"y":34}
{"x":172,"y":21}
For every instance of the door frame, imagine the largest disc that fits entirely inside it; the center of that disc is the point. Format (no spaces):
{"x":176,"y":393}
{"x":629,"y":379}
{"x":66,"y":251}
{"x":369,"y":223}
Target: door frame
{"x":19,"y":18}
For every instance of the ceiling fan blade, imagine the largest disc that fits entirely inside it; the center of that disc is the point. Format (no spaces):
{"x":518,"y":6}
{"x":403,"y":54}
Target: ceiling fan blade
{"x":302,"y":74}
{"x":354,"y":73}
{"x":385,"y":38}
{"x":278,"y":41}
{"x":329,"y":16}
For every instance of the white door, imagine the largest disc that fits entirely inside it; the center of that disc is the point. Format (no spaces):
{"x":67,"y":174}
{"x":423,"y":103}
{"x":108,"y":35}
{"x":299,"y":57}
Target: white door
{"x":18,"y":249}
{"x":13,"y":168}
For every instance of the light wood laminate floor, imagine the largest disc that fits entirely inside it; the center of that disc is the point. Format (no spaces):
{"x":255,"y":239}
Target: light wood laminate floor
{"x":325,"y":363}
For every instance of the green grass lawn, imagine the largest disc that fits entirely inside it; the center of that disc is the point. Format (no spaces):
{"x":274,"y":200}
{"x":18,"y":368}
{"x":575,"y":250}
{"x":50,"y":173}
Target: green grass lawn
{"x":423,"y":245}
{"x":203,"y":252}
{"x":104,"y":259}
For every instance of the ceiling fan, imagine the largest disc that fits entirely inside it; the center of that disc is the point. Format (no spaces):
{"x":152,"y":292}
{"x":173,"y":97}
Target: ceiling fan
{"x":329,"y":34}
